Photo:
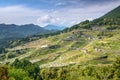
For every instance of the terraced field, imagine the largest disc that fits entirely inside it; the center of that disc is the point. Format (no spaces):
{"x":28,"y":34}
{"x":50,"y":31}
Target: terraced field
{"x":70,"y":48}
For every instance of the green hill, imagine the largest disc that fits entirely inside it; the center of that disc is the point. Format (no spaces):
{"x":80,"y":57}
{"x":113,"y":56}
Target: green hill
{"x":112,"y":18}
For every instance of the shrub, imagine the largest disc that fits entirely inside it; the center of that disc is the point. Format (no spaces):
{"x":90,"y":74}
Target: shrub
{"x":3,"y":73}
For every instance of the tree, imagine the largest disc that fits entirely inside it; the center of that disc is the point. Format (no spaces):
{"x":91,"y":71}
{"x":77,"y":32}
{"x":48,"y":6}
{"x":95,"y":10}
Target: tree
{"x":33,"y":70}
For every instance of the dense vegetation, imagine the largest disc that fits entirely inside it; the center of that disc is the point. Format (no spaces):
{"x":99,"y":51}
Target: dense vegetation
{"x":26,"y":71}
{"x":78,"y":72}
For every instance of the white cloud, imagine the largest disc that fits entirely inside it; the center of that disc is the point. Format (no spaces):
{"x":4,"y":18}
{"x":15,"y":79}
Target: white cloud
{"x":60,"y":4}
{"x":22,"y":15}
{"x":65,"y":16}
{"x":47,"y":19}
{"x":19,"y":15}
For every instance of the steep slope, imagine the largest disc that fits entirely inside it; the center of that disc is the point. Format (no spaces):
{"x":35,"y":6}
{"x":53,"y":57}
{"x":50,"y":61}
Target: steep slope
{"x":111,"y":20}
{"x":113,"y":14}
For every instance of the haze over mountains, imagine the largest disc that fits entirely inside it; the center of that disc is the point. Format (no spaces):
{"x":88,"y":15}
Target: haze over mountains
{"x":53,"y":27}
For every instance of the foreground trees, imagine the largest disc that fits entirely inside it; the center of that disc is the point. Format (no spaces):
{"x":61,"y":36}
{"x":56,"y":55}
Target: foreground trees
{"x":25,"y":70}
{"x":31,"y":70}
{"x":76,"y":72}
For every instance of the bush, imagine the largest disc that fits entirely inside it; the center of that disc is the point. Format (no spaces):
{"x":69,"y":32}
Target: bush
{"x":18,"y":74}
{"x":31,"y":69}
{"x":3,"y":73}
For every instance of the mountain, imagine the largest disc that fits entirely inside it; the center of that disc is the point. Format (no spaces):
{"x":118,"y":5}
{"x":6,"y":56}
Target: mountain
{"x":10,"y":32}
{"x":18,"y":31}
{"x":85,"y":51}
{"x":53,"y":27}
{"x":109,"y":21}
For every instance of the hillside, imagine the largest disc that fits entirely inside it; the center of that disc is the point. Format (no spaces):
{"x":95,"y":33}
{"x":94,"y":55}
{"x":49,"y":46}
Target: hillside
{"x":113,"y":14}
{"x":107,"y":20}
{"x":86,"y":47}
{"x":10,"y":32}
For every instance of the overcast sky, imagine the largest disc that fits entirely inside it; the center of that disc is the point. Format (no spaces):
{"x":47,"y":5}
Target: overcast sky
{"x":56,"y":12}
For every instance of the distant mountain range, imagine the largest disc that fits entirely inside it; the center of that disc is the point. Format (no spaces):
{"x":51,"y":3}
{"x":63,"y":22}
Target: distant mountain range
{"x":20,"y":31}
{"x":53,"y":27}
{"x":10,"y":32}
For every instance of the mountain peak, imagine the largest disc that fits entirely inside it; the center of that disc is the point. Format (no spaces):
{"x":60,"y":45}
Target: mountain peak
{"x":54,"y":27}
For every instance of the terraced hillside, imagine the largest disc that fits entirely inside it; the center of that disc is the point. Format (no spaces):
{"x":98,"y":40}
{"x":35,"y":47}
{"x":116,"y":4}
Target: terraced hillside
{"x":75,"y":47}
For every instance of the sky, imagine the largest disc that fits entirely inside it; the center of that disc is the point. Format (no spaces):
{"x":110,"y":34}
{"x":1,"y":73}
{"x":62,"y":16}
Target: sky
{"x":54,"y":12}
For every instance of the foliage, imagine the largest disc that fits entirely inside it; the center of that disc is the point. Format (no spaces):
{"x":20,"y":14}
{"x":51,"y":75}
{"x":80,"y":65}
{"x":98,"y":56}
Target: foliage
{"x":18,"y":74}
{"x":33,"y":70}
{"x":76,"y":72}
{"x":3,"y":73}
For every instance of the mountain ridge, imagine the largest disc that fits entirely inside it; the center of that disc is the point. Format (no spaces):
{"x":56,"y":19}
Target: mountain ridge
{"x":54,"y":27}
{"x":20,"y":31}
{"x":10,"y":32}
{"x":113,"y":13}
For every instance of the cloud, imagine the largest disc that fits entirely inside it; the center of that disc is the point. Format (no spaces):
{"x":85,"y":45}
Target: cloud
{"x":80,"y":3}
{"x":60,"y":4}
{"x":55,"y":4}
{"x":47,"y":19}
{"x":67,"y":15}
{"x":19,"y":15}
{"x":23,"y":15}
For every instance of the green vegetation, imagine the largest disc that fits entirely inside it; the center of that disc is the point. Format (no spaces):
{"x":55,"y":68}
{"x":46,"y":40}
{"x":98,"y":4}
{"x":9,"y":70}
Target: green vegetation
{"x":3,"y":73}
{"x":25,"y":71}
{"x":32,"y":70}
{"x":113,"y":14}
